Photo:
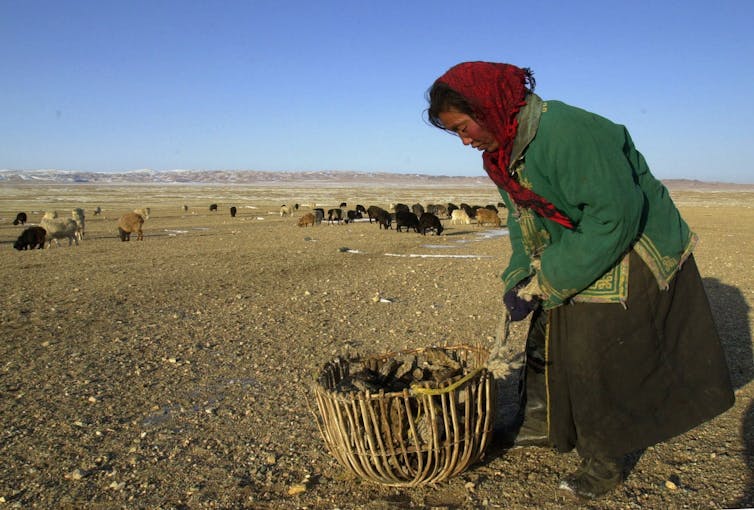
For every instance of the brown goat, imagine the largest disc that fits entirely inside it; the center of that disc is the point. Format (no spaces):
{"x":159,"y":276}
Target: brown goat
{"x":130,"y":223}
{"x":487,"y":217}
{"x":306,"y":219}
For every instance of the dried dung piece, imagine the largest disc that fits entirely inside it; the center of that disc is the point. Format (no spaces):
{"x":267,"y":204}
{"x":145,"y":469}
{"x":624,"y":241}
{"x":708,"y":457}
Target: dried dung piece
{"x":432,"y":365}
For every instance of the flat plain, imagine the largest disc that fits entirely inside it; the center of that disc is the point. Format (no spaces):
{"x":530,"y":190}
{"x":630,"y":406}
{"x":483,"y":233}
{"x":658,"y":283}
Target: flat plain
{"x":176,"y":372}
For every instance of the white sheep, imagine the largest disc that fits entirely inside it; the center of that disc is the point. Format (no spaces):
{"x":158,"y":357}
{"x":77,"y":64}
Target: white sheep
{"x":459,"y":217}
{"x":60,"y":229}
{"x":144,"y":212}
{"x":78,"y":216}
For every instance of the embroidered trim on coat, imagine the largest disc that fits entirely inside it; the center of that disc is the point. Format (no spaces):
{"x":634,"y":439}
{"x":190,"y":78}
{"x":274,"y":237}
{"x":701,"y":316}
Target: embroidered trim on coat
{"x":663,"y":267}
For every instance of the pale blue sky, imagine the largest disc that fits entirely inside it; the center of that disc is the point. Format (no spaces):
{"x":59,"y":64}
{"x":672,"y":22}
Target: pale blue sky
{"x":339,"y":85}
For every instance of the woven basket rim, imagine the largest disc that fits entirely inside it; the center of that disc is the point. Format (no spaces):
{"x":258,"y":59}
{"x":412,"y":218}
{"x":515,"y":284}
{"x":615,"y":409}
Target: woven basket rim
{"x":407,"y":392}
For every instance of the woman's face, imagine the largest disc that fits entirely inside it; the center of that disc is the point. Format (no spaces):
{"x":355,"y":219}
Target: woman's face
{"x":468,"y":130}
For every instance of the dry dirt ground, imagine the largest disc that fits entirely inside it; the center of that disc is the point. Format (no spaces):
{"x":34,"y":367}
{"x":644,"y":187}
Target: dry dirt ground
{"x":176,"y":372}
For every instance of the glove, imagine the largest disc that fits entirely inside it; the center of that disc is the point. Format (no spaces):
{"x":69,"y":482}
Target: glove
{"x":518,"y":307}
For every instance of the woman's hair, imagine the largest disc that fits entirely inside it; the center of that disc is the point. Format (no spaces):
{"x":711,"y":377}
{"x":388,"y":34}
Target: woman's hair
{"x":442,"y":98}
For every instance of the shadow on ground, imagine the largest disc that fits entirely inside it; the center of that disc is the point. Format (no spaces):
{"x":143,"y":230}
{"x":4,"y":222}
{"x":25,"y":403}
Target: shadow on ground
{"x":731,"y":312}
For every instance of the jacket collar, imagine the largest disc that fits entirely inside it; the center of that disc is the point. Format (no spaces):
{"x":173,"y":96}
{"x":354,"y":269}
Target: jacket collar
{"x":528,"y":122}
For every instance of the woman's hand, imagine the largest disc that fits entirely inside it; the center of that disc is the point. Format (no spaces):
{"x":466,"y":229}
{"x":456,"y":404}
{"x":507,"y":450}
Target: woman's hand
{"x":518,"y":306}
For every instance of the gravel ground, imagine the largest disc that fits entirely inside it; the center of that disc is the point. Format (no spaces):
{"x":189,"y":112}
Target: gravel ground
{"x":176,"y":372}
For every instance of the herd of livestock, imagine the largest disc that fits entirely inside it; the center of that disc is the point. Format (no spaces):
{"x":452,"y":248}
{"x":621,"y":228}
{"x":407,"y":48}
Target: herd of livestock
{"x":418,"y":218}
{"x":53,"y":228}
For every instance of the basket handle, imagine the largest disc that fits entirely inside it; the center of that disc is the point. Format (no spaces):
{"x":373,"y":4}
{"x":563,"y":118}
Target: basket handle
{"x":419,"y":390}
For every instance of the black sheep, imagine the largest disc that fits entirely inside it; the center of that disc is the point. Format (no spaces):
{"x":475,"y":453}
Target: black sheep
{"x":373,"y":212}
{"x":233,"y":212}
{"x":429,"y":221}
{"x":213,"y":207}
{"x":20,"y":219}
{"x":384,"y":219}
{"x":32,"y":237}
{"x":401,"y":207}
{"x":406,"y":219}
{"x":353,"y":215}
{"x":334,"y":215}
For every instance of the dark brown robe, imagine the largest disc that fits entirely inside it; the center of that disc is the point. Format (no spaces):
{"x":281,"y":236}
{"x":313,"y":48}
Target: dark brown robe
{"x":622,"y":379}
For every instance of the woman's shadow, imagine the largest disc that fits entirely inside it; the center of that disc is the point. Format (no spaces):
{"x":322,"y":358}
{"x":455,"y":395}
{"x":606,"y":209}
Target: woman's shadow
{"x":731,"y":312}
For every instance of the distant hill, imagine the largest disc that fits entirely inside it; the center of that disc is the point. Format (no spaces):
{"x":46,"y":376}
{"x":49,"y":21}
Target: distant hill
{"x":263,"y":178}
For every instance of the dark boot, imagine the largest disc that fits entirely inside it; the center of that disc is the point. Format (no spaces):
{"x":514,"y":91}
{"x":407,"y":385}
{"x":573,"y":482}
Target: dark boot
{"x":595,"y":477}
{"x":534,"y":427}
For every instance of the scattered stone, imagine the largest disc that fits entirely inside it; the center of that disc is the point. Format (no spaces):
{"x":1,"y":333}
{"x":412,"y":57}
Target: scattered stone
{"x":296,"y":489}
{"x":76,"y":474}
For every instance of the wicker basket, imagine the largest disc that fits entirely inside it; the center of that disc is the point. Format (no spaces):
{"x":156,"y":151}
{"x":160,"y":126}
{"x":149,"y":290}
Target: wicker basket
{"x":420,"y":435}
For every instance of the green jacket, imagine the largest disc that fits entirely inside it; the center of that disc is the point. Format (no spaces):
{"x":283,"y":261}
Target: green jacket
{"x":588,"y":167}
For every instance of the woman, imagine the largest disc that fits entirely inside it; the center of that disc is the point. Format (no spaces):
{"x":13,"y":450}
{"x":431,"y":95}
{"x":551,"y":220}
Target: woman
{"x":622,"y":350}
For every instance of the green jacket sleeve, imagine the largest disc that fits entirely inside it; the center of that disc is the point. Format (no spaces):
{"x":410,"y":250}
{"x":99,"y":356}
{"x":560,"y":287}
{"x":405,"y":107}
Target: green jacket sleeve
{"x":518,"y":266}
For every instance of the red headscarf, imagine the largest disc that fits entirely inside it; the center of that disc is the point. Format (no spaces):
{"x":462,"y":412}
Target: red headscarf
{"x":496,"y":92}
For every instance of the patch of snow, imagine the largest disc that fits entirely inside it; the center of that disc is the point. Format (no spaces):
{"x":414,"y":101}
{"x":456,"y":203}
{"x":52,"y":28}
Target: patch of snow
{"x":434,"y":256}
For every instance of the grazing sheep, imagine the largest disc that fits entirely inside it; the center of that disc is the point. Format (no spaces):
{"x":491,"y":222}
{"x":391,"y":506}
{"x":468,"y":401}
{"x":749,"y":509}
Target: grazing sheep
{"x":130,"y":223}
{"x":285,"y":210}
{"x":343,"y":204}
{"x":406,"y":219}
{"x":233,"y":212}
{"x":491,"y":207}
{"x":471,"y":211}
{"x":212,"y":207}
{"x":185,"y":208}
{"x":353,"y":215}
{"x":50,"y":215}
{"x":384,"y":219}
{"x":418,"y":210}
{"x":60,"y":229}
{"x":78,"y":216}
{"x":20,"y":219}
{"x":97,"y":210}
{"x":307,"y":219}
{"x":334,"y":215}
{"x":319,"y":215}
{"x":32,"y":237}
{"x":487,"y":217}
{"x":459,"y":217}
{"x":429,"y":221}
{"x":373,"y":212}
{"x":360,"y":208}
{"x":438,"y":210}
{"x":400,"y":207}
